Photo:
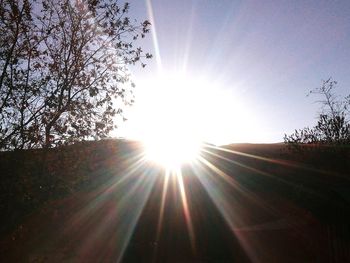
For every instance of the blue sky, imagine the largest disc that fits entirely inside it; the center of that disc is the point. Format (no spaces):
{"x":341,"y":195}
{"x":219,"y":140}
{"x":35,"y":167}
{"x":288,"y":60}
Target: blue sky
{"x":266,"y":54}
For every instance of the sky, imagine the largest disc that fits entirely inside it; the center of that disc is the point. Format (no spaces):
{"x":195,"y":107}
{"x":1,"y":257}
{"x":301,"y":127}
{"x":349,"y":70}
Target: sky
{"x":258,"y":60}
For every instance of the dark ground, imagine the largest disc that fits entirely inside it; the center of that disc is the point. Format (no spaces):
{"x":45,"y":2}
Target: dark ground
{"x":80,"y":206}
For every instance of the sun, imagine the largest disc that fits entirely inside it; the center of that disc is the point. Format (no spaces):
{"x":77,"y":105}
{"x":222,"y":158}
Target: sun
{"x":175,"y":113}
{"x":172,"y":151}
{"x":172,"y":134}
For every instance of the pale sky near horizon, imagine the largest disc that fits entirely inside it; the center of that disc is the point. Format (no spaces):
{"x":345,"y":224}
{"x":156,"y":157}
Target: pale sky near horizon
{"x":261,"y":56}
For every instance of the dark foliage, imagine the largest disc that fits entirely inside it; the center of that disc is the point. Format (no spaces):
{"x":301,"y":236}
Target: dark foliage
{"x":25,"y":185}
{"x":63,"y":70}
{"x":293,"y":208}
{"x":333,"y":126}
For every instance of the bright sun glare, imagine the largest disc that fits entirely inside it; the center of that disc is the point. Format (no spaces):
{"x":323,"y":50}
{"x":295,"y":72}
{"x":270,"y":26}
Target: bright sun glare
{"x":172,"y":136}
{"x":171,"y":152}
{"x":175,"y":113}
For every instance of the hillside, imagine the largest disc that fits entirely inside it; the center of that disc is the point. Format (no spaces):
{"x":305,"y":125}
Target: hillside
{"x":93,"y":202}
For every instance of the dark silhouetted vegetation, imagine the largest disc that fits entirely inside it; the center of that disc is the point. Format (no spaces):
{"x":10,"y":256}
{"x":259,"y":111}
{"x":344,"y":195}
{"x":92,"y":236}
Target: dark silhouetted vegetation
{"x":63,"y":65}
{"x":333,"y":126}
{"x":25,"y":186}
{"x":288,"y":207}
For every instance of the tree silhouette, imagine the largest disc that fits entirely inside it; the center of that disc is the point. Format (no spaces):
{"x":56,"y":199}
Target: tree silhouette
{"x":333,"y":126}
{"x":63,"y":65}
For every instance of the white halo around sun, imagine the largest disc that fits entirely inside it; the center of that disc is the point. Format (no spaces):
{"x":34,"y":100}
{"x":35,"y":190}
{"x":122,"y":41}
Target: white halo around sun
{"x":172,"y":133}
{"x":175,"y":113}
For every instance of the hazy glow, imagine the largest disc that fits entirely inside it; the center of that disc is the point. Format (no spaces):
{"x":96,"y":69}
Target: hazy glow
{"x":175,"y":112}
{"x":171,"y":151}
{"x":171,"y":132}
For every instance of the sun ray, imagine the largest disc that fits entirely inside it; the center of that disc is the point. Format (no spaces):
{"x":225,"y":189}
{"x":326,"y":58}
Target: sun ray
{"x":154,"y":36}
{"x":222,"y":201}
{"x":139,"y":193}
{"x":186,"y":208}
{"x":105,"y":189}
{"x":255,"y":170}
{"x":270,"y":160}
{"x":162,"y":206}
{"x":227,"y":203}
{"x":237,"y":186}
{"x":120,"y":201}
{"x":189,"y":35}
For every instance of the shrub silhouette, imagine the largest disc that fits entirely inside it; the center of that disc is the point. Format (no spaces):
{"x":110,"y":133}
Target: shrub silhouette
{"x":333,"y":126}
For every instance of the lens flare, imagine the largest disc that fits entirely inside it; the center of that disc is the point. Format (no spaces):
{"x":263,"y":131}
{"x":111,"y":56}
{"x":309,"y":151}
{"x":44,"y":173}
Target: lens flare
{"x":171,"y":152}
